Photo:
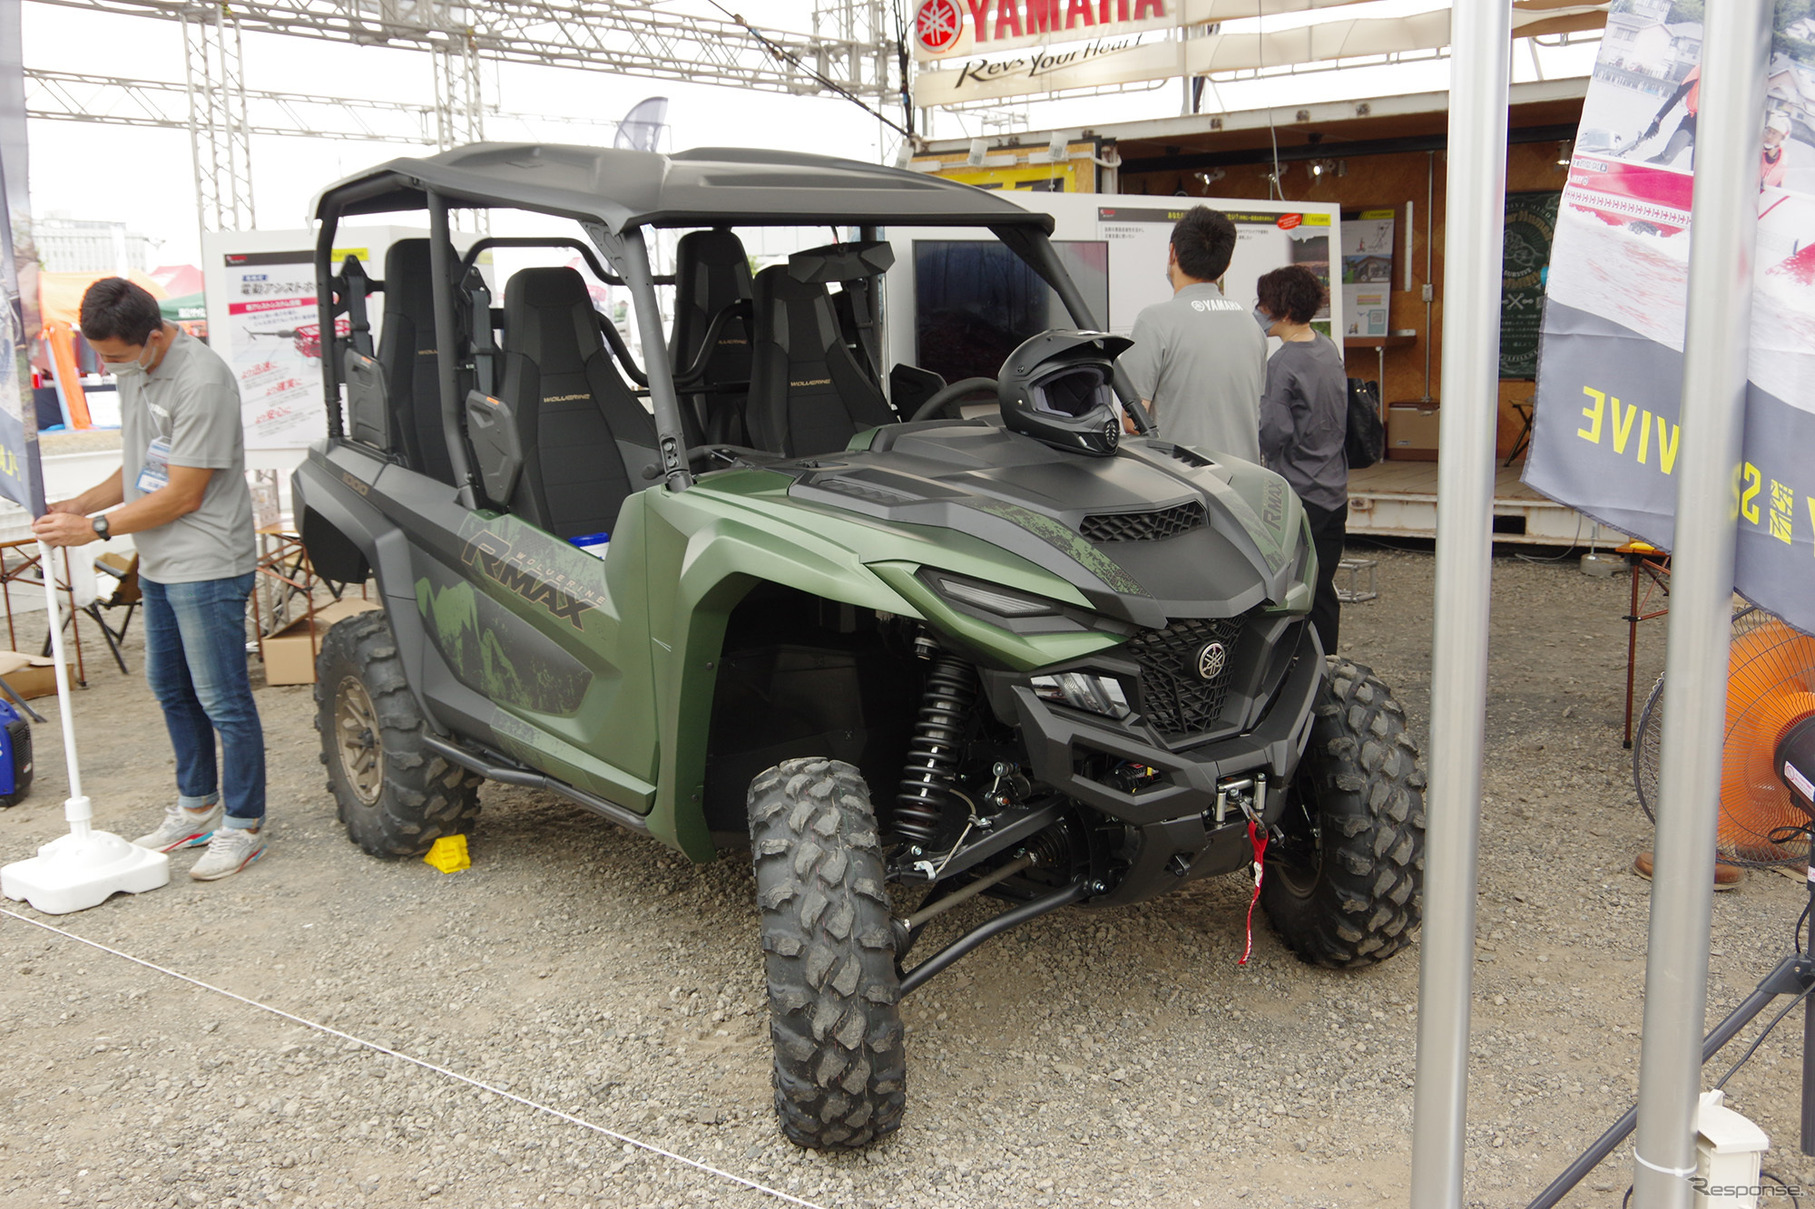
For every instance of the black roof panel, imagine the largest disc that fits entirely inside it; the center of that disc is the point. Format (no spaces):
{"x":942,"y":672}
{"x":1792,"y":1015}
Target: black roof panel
{"x":706,"y":186}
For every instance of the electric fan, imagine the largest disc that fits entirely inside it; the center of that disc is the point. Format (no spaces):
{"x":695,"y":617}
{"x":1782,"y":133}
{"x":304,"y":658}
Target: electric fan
{"x":1770,"y":737}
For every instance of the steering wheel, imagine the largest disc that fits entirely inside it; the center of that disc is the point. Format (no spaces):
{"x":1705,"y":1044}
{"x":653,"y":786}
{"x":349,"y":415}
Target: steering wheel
{"x":948,"y":395}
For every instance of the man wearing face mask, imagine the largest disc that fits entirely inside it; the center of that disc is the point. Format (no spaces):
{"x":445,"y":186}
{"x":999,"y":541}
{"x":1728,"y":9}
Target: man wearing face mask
{"x":1197,"y":362}
{"x":182,"y":495}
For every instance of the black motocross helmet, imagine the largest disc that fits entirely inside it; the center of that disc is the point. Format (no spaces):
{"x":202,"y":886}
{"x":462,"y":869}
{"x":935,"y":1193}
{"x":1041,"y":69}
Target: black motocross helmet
{"x":1056,"y":389}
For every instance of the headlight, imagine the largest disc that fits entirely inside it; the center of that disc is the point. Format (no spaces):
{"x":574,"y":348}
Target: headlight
{"x":1081,"y":690}
{"x":993,"y":598}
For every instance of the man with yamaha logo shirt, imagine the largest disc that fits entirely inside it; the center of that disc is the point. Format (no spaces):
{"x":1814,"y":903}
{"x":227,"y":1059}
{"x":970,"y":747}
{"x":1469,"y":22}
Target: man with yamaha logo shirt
{"x":182,"y":495}
{"x":1197,"y":363}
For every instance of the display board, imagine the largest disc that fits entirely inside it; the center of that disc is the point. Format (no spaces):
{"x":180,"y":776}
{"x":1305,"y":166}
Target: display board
{"x":1135,"y":233}
{"x":1367,"y":272}
{"x":1606,"y":433}
{"x":1267,"y":236}
{"x":978,"y":301}
{"x":263,"y":322}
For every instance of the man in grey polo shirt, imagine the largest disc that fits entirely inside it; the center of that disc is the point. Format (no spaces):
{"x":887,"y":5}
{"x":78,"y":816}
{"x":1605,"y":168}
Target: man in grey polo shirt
{"x":185,"y":501}
{"x":1198,"y":361}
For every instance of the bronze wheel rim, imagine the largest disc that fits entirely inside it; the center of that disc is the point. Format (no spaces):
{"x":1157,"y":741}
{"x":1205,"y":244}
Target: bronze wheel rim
{"x":356,"y":738}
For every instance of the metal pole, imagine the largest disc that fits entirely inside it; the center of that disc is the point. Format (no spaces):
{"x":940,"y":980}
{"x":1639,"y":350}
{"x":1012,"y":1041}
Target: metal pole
{"x":1481,"y":33}
{"x":76,"y":808}
{"x":1723,"y":220}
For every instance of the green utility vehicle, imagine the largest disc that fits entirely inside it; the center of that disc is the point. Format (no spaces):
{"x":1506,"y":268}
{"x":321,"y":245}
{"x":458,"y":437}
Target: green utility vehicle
{"x":901,"y":656}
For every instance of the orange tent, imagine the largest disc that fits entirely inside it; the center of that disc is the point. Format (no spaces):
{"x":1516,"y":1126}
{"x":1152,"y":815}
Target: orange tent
{"x":60,"y":294}
{"x":60,"y":303}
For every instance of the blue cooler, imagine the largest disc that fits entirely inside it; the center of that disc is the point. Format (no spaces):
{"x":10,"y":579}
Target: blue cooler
{"x":15,"y":754}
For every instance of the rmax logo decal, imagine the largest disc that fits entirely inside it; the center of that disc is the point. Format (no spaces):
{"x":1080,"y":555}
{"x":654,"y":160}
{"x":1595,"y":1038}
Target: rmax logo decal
{"x":1274,"y":514}
{"x":522,"y":573}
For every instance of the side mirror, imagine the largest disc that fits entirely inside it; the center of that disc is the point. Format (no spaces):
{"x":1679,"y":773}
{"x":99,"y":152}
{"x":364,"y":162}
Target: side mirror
{"x":491,"y":427}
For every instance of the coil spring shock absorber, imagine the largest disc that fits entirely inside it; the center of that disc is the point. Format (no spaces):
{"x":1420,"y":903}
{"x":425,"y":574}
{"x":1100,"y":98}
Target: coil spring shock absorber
{"x":932,"y":761}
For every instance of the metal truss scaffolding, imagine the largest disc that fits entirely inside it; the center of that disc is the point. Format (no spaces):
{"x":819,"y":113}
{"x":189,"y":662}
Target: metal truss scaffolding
{"x":459,"y":107}
{"x":220,"y":135}
{"x":850,"y":51}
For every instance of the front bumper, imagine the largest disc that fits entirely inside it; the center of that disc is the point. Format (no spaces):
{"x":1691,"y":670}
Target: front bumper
{"x":1064,"y":746}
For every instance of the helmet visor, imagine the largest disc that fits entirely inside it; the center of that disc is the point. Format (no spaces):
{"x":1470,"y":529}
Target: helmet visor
{"x":1073,"y":392}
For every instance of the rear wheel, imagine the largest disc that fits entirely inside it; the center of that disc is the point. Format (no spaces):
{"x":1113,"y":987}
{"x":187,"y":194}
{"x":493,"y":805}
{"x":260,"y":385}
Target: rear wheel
{"x":1345,"y":886}
{"x":829,"y":952}
{"x":396,"y":797}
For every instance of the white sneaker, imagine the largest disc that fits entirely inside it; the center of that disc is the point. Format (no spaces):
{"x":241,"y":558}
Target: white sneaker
{"x":182,"y":829}
{"x":229,"y":850}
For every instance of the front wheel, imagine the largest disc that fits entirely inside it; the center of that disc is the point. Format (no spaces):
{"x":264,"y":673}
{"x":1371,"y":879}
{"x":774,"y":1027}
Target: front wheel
{"x":829,"y":951}
{"x":396,"y":796}
{"x":1345,"y":885}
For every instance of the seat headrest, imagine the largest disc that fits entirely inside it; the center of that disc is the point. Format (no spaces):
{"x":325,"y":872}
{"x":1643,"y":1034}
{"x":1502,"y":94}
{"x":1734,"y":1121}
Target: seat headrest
{"x":548,"y":315}
{"x":718,"y":247}
{"x":547,"y":287}
{"x":408,"y":277}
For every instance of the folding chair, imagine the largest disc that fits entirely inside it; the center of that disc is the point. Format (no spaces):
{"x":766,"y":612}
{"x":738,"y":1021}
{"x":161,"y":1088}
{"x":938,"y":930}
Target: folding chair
{"x":123,"y":571}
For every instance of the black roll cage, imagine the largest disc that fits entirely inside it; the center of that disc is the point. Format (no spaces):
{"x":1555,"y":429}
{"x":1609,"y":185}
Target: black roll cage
{"x":628,"y":253}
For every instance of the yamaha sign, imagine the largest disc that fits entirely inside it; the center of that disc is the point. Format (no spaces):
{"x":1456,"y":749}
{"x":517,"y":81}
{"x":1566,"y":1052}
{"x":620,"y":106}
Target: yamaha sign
{"x":979,"y":27}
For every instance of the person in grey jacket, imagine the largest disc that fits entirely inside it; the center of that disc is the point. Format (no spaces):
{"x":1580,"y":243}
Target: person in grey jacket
{"x":1304,"y":416}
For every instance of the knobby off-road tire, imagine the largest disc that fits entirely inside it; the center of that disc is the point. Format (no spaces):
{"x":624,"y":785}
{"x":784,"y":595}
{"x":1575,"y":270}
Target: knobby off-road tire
{"x":1346,"y":886}
{"x":396,"y":797}
{"x":840,"y":1064}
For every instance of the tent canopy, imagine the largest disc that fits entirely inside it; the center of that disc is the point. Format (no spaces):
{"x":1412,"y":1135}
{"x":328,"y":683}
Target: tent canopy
{"x":60,"y":294}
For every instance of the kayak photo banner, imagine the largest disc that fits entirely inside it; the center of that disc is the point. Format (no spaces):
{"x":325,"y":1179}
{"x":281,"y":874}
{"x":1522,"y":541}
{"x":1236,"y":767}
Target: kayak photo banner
{"x":1605,"y":436}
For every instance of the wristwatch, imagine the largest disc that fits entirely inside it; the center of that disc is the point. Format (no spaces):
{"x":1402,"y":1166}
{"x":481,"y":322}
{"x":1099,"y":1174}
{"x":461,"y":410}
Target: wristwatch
{"x":100,"y":526}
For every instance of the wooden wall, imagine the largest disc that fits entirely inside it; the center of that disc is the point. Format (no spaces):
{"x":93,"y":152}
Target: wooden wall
{"x":1381,"y":182}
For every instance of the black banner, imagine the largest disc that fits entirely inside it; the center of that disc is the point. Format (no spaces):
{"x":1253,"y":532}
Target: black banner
{"x":1531,"y":220}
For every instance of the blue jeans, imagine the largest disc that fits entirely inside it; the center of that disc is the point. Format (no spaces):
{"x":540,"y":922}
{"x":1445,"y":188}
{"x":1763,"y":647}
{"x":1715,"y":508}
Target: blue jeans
{"x":195,"y":662}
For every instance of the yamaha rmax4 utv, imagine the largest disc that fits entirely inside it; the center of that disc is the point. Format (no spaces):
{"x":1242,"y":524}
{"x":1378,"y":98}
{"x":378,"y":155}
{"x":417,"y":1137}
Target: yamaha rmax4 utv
{"x":901,"y":656}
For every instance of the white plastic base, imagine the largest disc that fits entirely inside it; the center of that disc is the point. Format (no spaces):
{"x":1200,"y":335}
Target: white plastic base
{"x":75,"y":873}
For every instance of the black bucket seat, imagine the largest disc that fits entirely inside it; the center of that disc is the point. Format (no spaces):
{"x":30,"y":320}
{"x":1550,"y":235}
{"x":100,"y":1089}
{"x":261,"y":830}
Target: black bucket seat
{"x":808,"y":394}
{"x":587,"y":442}
{"x":407,"y":351}
{"x":711,"y":277}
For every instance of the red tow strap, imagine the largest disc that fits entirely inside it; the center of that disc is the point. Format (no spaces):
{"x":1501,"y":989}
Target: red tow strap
{"x":1257,"y":836}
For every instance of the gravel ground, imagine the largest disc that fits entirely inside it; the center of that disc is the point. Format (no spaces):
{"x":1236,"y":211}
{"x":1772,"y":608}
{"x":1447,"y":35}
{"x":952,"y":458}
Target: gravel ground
{"x":1111,"y":1058}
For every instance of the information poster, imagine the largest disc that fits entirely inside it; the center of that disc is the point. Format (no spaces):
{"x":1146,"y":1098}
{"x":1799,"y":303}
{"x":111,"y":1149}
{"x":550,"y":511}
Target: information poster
{"x":1367,"y":272}
{"x":1531,"y":220}
{"x":274,"y":334}
{"x":1606,"y":439}
{"x":1266,"y":239}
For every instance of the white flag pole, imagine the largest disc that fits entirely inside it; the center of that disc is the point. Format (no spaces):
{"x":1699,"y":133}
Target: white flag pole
{"x":86,"y":867}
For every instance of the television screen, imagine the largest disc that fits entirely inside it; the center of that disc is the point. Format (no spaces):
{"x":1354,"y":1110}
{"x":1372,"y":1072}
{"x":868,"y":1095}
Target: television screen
{"x":976,"y":301}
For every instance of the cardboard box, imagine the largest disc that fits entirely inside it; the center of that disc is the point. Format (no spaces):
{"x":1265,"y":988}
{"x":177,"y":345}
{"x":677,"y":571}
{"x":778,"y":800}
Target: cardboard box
{"x":290,"y":653}
{"x":29,"y":675}
{"x":1411,"y":431}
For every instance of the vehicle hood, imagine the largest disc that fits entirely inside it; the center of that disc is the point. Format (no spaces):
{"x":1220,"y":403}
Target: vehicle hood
{"x":1156,"y":532}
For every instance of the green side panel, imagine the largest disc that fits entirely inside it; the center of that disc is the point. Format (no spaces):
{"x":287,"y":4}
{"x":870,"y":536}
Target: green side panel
{"x":540,"y":592}
{"x":468,"y":628}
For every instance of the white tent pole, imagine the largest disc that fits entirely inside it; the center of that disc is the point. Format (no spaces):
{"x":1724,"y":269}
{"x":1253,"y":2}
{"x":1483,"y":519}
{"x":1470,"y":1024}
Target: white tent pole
{"x":77,"y":809}
{"x":1723,"y":222}
{"x":1480,"y":84}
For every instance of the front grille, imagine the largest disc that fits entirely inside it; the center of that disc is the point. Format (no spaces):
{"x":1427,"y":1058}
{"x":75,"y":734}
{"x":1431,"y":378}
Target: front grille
{"x":1175,"y":698}
{"x":1144,"y":526}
